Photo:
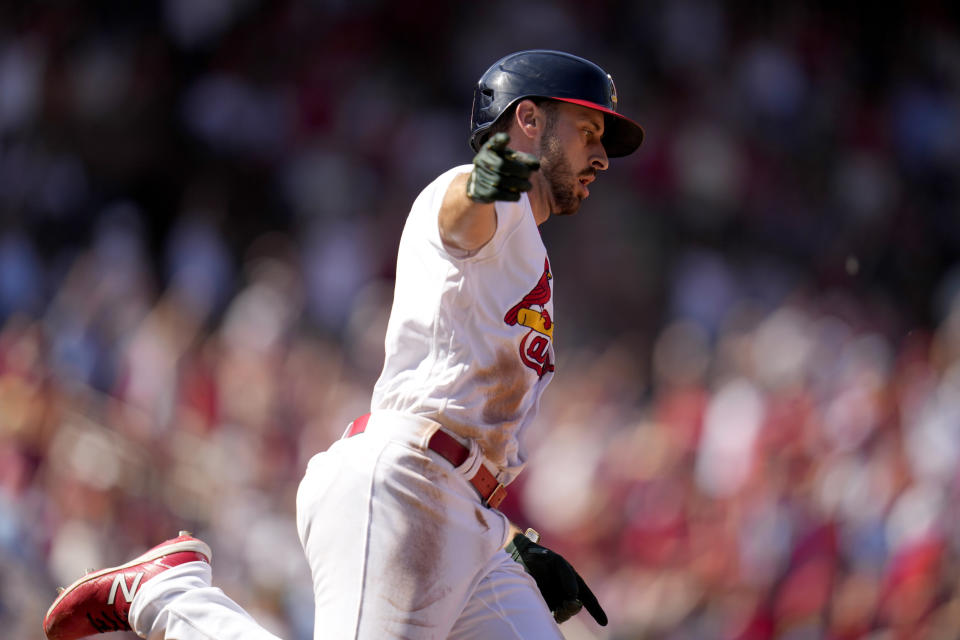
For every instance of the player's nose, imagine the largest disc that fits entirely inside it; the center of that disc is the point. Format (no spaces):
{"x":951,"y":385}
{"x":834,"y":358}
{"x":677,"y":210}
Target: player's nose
{"x":599,"y":160}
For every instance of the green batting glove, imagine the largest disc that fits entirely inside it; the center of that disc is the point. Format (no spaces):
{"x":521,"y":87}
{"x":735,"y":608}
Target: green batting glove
{"x":561,"y":586}
{"x":500,"y":173}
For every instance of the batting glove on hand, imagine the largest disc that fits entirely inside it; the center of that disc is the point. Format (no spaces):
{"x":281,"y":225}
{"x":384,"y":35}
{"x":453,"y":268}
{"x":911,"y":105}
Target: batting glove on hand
{"x":500,"y":173}
{"x":561,"y":586}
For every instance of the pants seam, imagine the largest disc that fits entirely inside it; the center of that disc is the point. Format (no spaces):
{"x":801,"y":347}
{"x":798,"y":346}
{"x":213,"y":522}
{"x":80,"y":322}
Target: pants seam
{"x":366,"y":533}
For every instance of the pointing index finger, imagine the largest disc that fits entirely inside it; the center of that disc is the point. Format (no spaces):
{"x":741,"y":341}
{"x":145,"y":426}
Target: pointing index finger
{"x":590,"y":602}
{"x":499,"y":141}
{"x":531,"y":161}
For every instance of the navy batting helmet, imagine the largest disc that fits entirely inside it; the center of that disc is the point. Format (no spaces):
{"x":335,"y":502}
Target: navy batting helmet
{"x":558,"y":76}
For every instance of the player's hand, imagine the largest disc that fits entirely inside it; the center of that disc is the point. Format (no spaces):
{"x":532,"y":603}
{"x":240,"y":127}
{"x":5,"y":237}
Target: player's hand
{"x":500,"y":173}
{"x":561,"y":586}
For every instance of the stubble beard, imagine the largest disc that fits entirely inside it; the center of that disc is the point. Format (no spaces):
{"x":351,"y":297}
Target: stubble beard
{"x":560,"y":177}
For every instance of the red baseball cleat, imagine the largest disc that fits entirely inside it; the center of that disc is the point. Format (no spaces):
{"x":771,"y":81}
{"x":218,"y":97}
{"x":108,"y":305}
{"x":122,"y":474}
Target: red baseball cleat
{"x":100,"y":601}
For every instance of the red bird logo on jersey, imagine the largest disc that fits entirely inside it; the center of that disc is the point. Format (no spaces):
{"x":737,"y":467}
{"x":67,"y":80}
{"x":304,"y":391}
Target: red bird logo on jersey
{"x":535,"y":346}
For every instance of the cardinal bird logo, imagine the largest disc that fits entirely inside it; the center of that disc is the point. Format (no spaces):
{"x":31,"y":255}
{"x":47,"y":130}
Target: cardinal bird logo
{"x":535,"y":346}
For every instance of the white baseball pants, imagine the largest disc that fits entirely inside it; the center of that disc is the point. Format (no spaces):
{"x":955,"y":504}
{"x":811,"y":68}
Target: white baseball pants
{"x":398,"y":544}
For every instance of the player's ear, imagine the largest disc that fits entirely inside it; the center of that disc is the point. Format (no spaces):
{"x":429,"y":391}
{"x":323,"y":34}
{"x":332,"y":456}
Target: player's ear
{"x":529,"y":118}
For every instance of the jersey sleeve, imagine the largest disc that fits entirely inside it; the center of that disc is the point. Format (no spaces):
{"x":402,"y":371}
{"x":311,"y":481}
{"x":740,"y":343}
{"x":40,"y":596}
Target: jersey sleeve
{"x":509,"y":215}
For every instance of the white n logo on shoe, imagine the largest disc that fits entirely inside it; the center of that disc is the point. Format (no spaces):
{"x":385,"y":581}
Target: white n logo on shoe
{"x":121,"y":582}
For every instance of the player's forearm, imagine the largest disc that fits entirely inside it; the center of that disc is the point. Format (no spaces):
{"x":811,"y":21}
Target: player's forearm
{"x":465,"y":224}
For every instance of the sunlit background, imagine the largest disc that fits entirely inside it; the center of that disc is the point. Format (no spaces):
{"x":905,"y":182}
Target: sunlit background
{"x":754,"y":428}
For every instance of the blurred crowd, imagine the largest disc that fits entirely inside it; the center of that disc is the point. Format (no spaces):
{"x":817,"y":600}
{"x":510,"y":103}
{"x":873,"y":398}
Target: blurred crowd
{"x":754,"y":430}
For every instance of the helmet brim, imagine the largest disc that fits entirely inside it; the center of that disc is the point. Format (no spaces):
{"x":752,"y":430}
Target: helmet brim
{"x":621,"y":135}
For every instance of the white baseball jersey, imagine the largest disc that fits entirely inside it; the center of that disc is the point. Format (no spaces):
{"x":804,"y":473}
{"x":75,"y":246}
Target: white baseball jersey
{"x":470,"y":338}
{"x":414,"y":554}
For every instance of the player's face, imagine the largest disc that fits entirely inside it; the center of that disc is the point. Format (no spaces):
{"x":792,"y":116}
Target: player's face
{"x":571,"y":153}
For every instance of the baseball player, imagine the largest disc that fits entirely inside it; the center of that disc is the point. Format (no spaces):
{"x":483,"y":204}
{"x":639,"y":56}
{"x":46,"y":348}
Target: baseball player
{"x":399,"y":518}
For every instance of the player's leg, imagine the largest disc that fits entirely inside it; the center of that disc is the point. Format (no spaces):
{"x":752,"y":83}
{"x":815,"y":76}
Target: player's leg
{"x":507,"y":605}
{"x":181,"y":604}
{"x":332,"y":514}
{"x":162,"y":593}
{"x":396,"y":538}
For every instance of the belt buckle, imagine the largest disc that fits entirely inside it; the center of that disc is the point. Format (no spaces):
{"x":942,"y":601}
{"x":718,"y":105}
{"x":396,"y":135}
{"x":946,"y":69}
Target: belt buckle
{"x":496,"y":497}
